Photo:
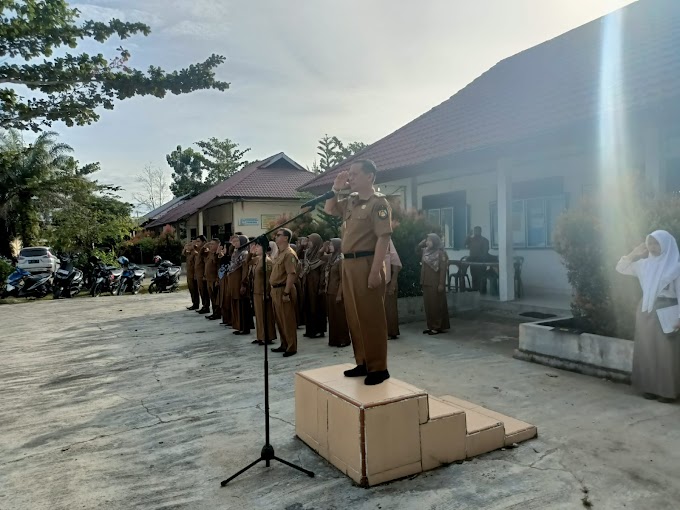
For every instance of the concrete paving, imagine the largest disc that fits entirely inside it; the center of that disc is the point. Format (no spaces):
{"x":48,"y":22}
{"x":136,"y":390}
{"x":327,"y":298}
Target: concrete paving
{"x":133,"y":402}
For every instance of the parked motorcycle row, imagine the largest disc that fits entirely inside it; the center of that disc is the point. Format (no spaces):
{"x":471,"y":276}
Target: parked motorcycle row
{"x":68,"y":281}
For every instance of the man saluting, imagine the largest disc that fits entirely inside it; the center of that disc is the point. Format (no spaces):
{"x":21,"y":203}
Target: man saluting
{"x":365,"y":238}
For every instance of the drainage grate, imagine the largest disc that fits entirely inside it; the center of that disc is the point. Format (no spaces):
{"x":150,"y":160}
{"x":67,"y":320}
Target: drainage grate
{"x":538,"y":315}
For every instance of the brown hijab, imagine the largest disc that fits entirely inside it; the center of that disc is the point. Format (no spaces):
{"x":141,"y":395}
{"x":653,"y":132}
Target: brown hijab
{"x":335,"y":257}
{"x":312,"y":259}
{"x":432,"y":256}
{"x":238,"y":257}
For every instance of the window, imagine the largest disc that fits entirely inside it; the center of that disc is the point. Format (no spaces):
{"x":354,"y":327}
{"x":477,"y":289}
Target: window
{"x":444,"y":218}
{"x":533,"y":221}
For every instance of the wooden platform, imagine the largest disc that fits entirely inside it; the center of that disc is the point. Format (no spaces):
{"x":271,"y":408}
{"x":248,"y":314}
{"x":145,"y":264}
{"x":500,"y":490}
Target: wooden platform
{"x":375,"y":434}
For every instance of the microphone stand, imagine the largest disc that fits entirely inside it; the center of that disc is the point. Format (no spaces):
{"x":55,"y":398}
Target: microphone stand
{"x":267,"y":453}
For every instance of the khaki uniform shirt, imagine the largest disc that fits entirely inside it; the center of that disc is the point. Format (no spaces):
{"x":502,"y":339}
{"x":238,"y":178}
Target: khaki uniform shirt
{"x":258,"y":277}
{"x":190,"y":263}
{"x":364,"y":221}
{"x":285,"y":263}
{"x":199,"y":264}
{"x":211,"y":266}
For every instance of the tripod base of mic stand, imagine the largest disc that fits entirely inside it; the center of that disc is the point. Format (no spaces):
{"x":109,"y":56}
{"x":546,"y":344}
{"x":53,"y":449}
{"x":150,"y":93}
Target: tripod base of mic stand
{"x":267,"y":455}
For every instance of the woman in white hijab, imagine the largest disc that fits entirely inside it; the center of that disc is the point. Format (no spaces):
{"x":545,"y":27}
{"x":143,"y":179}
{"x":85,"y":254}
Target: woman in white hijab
{"x":656,"y":358}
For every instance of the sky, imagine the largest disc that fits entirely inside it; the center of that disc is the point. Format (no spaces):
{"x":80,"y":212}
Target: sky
{"x":356,"y":69}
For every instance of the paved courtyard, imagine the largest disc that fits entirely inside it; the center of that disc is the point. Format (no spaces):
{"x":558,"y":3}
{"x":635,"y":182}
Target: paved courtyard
{"x":133,"y":402}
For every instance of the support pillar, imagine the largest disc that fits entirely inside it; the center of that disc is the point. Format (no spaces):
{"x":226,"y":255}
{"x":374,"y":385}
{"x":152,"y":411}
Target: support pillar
{"x":200,"y":223}
{"x":506,"y":269}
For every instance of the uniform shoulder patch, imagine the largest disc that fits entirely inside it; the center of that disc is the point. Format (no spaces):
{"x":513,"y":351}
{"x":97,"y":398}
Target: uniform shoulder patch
{"x":382,"y":212}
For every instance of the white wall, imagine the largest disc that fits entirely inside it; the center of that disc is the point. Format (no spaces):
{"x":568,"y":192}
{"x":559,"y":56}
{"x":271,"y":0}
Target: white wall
{"x":255,"y":209}
{"x":543,"y":271}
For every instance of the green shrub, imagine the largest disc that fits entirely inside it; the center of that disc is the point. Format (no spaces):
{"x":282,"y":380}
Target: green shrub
{"x":411,"y":228}
{"x":142,"y":248}
{"x":604,"y":302}
{"x":6,"y":269}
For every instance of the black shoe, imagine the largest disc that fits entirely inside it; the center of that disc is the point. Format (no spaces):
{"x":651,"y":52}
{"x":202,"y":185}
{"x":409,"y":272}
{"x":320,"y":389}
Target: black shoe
{"x":278,"y":349}
{"x":649,"y":396}
{"x":213,"y":317}
{"x":393,"y":337}
{"x":374,"y":378}
{"x":237,"y":333}
{"x":358,"y":371}
{"x":288,"y":354}
{"x":192,"y":307}
{"x":435,"y":332}
{"x":203,"y":311}
{"x":665,"y":400}
{"x":426,"y":331}
{"x":257,"y":342}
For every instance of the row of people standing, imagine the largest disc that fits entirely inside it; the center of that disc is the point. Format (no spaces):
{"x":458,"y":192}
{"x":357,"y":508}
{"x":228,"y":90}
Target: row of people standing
{"x":228,"y":278}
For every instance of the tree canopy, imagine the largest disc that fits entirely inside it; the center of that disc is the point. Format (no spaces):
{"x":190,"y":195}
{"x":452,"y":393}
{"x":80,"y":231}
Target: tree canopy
{"x":332,"y":151}
{"x":70,"y":87}
{"x":46,"y":194}
{"x":196,"y":171}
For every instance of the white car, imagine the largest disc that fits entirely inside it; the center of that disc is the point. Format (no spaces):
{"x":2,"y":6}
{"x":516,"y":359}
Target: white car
{"x":37,"y":259}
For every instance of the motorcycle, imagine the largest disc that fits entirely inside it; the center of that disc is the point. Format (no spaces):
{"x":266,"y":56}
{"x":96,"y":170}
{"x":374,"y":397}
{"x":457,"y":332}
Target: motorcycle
{"x":166,"y":277}
{"x":105,"y":279}
{"x":132,"y":277}
{"x":21,"y":283}
{"x":68,"y":280}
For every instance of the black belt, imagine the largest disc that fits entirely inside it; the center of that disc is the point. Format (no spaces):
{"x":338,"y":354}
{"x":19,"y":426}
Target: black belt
{"x":358,"y":254}
{"x":278,"y":285}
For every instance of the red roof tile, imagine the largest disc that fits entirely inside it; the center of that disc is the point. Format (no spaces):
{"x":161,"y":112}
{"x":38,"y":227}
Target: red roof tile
{"x":277,"y":177}
{"x":554,"y":84}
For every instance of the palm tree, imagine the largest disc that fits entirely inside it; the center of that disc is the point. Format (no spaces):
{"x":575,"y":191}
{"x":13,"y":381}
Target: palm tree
{"x":32,"y":177}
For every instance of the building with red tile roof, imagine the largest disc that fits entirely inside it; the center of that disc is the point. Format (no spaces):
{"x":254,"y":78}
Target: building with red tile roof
{"x":246,"y":202}
{"x":538,"y":131}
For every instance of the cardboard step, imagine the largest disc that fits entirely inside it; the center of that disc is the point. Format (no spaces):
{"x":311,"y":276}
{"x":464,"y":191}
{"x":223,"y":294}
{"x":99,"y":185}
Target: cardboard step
{"x":514,"y":430}
{"x":443,"y":437}
{"x":484,"y":434}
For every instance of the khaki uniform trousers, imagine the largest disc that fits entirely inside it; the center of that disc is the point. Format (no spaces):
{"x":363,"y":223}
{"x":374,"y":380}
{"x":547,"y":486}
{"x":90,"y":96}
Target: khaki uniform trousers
{"x":193,"y":289}
{"x":392,"y":312}
{"x":202,"y":290}
{"x":225,"y":300}
{"x":213,"y":293}
{"x":284,"y":313}
{"x":365,"y":310}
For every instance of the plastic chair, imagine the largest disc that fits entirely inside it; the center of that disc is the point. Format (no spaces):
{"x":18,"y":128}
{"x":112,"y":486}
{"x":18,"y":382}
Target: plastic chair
{"x":455,"y":277}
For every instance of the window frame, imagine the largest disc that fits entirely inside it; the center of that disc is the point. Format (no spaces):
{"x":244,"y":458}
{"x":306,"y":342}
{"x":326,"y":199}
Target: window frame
{"x":493,"y":207}
{"x":440,"y":215}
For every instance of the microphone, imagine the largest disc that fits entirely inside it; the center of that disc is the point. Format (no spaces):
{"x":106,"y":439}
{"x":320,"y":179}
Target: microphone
{"x":312,"y":203}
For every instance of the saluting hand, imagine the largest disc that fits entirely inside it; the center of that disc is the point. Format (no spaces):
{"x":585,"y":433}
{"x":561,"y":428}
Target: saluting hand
{"x":640,"y":251}
{"x":342,"y":180}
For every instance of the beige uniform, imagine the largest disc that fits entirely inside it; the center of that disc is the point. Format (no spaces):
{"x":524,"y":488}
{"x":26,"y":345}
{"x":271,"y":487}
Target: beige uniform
{"x":191,"y":283}
{"x":211,"y":266}
{"x":199,"y":276}
{"x":225,"y":296}
{"x":436,"y":307}
{"x":266,"y":330}
{"x":284,"y":311}
{"x":364,"y":222}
